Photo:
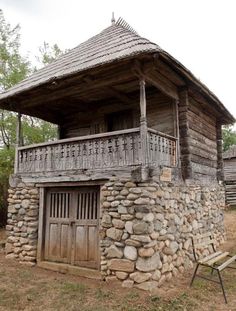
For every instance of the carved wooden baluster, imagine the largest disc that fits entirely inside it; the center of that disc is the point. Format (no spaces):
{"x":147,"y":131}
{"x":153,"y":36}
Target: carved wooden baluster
{"x":78,"y":155}
{"x":157,"y":152}
{"x":73,"y":166}
{"x":120,"y":150}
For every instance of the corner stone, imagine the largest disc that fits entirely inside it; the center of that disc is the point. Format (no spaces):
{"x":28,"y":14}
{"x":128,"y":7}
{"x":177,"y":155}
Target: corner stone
{"x":121,"y":265}
{"x":149,"y":264}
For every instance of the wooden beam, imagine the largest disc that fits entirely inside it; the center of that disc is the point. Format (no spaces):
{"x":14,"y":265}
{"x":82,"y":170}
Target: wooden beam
{"x":161,"y":83}
{"x":19,"y":138}
{"x":156,"y":79}
{"x":143,"y":103}
{"x":220,"y":164}
{"x":67,"y":90}
{"x":185,"y":152}
{"x":143,"y":130}
{"x":110,"y":90}
{"x":168,"y":72}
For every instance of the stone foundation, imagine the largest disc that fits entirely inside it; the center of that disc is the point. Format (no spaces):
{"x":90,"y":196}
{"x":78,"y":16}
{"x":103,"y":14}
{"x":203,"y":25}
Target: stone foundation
{"x":22,"y":224}
{"x":146,"y":229}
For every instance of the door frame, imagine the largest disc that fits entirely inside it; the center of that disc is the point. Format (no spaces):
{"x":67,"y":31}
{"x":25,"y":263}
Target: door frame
{"x":42,"y":216}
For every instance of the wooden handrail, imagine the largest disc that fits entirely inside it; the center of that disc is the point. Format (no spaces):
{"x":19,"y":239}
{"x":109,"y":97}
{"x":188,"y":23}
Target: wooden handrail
{"x":162,"y":134}
{"x":105,"y":150}
{"x":79,"y":138}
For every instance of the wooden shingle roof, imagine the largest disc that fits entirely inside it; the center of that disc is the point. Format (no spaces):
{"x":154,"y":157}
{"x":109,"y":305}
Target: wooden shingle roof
{"x":113,"y":43}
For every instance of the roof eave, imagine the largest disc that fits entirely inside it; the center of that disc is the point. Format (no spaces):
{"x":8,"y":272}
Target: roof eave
{"x":228,"y":117}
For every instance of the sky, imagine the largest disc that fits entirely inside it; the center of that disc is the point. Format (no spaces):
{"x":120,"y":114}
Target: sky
{"x":201,"y":34}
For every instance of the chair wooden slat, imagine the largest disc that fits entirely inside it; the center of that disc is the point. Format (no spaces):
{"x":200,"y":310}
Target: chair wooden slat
{"x":212,"y":260}
{"x":226,"y":263}
{"x":203,"y":260}
{"x":217,"y":258}
{"x":204,"y":243}
{"x":202,"y":236}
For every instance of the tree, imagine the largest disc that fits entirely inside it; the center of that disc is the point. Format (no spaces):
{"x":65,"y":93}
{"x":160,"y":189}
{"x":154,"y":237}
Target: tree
{"x":229,"y":137}
{"x":14,"y":68}
{"x":48,"y":53}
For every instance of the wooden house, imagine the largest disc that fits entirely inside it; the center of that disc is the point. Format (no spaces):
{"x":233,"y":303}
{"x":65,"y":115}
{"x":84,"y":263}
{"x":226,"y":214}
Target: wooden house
{"x":229,"y":157}
{"x":135,"y":170}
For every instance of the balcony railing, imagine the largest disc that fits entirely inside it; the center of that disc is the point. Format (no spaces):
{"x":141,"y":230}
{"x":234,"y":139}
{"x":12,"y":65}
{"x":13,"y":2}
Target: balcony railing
{"x":100,"y":151}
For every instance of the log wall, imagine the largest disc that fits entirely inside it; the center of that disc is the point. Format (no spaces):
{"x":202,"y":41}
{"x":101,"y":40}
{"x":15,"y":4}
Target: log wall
{"x":230,"y":180}
{"x":160,"y":116}
{"x":202,"y":141}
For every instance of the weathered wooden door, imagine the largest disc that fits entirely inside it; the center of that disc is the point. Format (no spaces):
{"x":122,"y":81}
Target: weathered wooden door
{"x":72,"y":219}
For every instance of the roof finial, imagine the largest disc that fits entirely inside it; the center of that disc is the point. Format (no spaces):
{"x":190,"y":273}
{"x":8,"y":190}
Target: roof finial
{"x":113,"y":19}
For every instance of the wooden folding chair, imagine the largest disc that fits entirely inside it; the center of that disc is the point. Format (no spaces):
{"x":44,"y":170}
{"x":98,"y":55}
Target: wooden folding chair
{"x":217,"y":260}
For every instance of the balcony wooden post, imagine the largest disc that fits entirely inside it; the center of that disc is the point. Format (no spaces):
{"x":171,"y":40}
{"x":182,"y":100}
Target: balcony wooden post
{"x":19,"y":141}
{"x":176,"y":132}
{"x":143,"y":130}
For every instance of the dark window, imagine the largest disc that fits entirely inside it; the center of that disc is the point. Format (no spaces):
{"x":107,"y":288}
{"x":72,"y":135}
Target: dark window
{"x":120,"y":120}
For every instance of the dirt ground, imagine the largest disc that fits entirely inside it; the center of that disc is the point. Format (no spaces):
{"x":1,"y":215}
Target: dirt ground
{"x":24,"y":288}
{"x":2,"y":234}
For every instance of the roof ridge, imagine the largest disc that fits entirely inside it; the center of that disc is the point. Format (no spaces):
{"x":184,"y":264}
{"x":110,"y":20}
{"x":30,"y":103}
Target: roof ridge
{"x":121,"y":22}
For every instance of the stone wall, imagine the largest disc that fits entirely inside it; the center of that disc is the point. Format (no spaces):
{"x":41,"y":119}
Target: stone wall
{"x":146,"y":229}
{"x":22,"y":224}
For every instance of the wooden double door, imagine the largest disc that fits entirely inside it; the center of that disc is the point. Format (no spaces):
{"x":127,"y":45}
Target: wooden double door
{"x":72,"y":226}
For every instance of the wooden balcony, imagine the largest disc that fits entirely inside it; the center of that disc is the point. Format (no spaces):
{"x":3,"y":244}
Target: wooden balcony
{"x":101,"y":151}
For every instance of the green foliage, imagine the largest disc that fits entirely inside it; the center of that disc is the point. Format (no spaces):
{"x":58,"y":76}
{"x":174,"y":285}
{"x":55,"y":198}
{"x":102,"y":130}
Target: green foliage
{"x":6,"y":168}
{"x":48,"y":53}
{"x":229,"y":137}
{"x":14,"y":68}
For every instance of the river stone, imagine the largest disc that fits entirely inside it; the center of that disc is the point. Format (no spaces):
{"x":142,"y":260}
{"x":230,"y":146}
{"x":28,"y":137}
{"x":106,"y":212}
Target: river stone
{"x":123,"y":265}
{"x":149,"y":217}
{"x":119,"y":224}
{"x":132,"y":243}
{"x":129,"y":226}
{"x":121,"y":275}
{"x":126,"y":203}
{"x":130,"y":184}
{"x":25,"y":203}
{"x":126,"y":217}
{"x":135,"y":190}
{"x":140,"y":228}
{"x":33,"y":191}
{"x":11,"y":209}
{"x":142,"y":201}
{"x":106,"y":221}
{"x":149,"y":264}
{"x":141,"y":238}
{"x":148,"y":286}
{"x":140,"y":277}
{"x":165,"y":267}
{"x":114,"y":252}
{"x":114,"y":234}
{"x":132,"y":196}
{"x":122,"y":209}
{"x":115,"y":203}
{"x":172,"y":249}
{"x":157,"y":275}
{"x":130,"y":252}
{"x":146,"y":252}
{"x":21,"y":211}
